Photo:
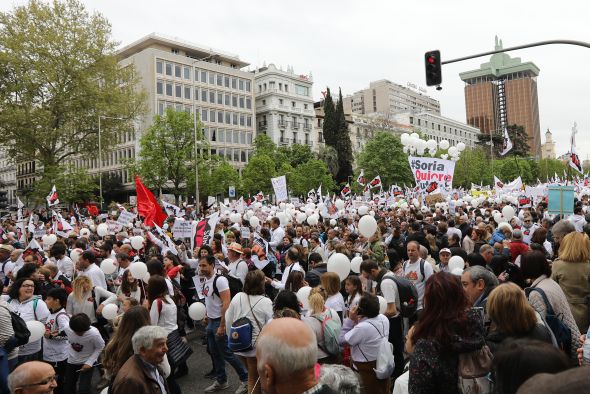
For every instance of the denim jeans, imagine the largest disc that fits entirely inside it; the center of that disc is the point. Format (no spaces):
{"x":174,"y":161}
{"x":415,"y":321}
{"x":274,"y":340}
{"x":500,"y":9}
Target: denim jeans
{"x":221,"y":353}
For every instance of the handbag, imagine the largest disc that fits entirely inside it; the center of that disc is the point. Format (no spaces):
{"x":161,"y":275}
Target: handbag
{"x":240,"y":332}
{"x":474,"y":368}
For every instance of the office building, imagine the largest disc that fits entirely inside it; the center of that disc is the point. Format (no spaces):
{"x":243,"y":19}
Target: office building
{"x":284,"y":105}
{"x":503,"y":92}
{"x":388,"y":98}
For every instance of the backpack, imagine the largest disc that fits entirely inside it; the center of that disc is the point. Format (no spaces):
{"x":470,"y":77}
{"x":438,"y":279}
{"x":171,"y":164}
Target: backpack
{"x":331,"y":330}
{"x":240,"y":332}
{"x":21,"y":331}
{"x":178,"y":297}
{"x":560,"y":330}
{"x":407,"y":292}
{"x":385,"y":363}
{"x":235,"y":284}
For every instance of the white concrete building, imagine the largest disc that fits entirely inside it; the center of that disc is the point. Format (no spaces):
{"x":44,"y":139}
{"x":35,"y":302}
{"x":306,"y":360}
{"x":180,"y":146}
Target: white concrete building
{"x":284,"y":105}
{"x":7,"y":176}
{"x":439,"y":128}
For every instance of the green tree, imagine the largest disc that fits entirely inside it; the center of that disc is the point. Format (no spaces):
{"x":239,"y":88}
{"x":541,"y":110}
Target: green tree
{"x":330,"y":126}
{"x":473,"y":167}
{"x":518,"y":137}
{"x":310,"y":175}
{"x":343,"y":143}
{"x":329,"y":155}
{"x":257,"y":173}
{"x":72,"y":184}
{"x":222,"y":176}
{"x":296,"y":154}
{"x":59,"y":74}
{"x":549,"y":167}
{"x":383,"y":155}
{"x":166,"y":157}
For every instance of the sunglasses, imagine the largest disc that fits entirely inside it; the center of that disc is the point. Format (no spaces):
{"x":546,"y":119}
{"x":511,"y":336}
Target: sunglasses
{"x":41,"y":383}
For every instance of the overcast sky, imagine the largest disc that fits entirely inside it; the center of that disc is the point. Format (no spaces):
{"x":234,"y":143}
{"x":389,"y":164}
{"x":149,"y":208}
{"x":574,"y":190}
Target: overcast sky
{"x":348,"y":43}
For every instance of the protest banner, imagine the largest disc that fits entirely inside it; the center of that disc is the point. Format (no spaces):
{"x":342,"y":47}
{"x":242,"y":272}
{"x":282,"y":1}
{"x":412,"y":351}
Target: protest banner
{"x":125,"y":217}
{"x":182,"y":229}
{"x":279,"y":185}
{"x":432,"y":174}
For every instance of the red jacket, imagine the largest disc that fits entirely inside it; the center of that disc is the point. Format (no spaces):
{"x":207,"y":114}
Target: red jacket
{"x":517,"y":248}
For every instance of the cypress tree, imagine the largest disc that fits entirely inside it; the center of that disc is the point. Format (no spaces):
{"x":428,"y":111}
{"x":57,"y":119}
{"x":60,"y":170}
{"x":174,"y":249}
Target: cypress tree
{"x":343,"y":143}
{"x":330,"y":126}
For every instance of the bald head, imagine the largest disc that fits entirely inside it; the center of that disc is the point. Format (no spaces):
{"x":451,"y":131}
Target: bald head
{"x":32,"y":373}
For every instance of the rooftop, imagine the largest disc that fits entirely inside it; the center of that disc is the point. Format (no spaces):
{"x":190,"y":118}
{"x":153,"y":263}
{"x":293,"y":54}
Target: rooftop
{"x":501,"y":64}
{"x":192,"y":50}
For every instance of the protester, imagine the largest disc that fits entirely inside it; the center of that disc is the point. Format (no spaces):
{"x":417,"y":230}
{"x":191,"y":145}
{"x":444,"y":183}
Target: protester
{"x":31,"y":378}
{"x":478,"y":282}
{"x":330,"y":281}
{"x":86,"y":267}
{"x":318,"y":313}
{"x":55,"y":340}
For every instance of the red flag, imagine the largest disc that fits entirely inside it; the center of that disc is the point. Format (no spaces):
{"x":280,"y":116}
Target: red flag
{"x":147,"y":205}
{"x":92,"y":210}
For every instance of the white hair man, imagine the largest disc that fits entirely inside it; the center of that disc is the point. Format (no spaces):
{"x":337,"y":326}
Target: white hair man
{"x":33,"y":377}
{"x":140,"y":374}
{"x":286,"y":353}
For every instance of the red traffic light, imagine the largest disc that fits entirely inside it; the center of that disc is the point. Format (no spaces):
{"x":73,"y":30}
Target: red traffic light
{"x":433,"y":68}
{"x":431,"y":59}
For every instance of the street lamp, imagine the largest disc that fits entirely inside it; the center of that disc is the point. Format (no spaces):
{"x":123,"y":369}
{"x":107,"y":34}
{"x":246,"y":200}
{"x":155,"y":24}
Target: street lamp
{"x":100,"y":154}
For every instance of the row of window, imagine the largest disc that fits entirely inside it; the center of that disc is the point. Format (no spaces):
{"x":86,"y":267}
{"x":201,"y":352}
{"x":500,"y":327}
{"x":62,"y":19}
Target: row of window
{"x":235,"y":155}
{"x":209,"y":115}
{"x":207,"y":96}
{"x":228,"y":136}
{"x":434,"y":126}
{"x":111,"y":158}
{"x":301,"y":90}
{"x":203,"y":76}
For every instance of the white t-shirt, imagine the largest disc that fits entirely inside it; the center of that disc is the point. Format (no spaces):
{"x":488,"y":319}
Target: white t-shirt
{"x":366,"y":338}
{"x":65,"y":265}
{"x":96,"y":275}
{"x":336,"y":302}
{"x":238,"y":269}
{"x":166,"y":317}
{"x":213,"y":303}
{"x":27,"y":310}
{"x":389,"y":290}
{"x":412,"y":273}
{"x":86,"y":348}
{"x":55,"y":349}
{"x":240,"y":307}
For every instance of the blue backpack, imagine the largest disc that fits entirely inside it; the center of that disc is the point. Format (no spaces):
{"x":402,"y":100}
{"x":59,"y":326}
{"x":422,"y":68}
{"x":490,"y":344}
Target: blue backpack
{"x":561,"y":332}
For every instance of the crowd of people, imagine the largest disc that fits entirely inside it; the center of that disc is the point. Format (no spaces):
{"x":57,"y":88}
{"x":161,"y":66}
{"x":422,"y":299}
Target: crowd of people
{"x":435,"y":301}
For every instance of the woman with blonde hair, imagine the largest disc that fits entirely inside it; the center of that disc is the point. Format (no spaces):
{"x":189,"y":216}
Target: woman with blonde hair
{"x":317,"y":313}
{"x":330,"y":281}
{"x":572,"y":272}
{"x":513,"y":317}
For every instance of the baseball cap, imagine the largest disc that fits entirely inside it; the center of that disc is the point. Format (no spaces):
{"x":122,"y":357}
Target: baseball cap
{"x":445,"y":250}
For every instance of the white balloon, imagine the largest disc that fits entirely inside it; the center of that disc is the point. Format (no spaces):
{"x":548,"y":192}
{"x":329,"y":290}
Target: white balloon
{"x":339,"y":264}
{"x":138,"y":270}
{"x":75,"y":255}
{"x":444,"y":156}
{"x":108,"y":266}
{"x":235,"y":217}
{"x":37,"y":330}
{"x":424,"y":209}
{"x":453,"y":151}
{"x":498,"y":218}
{"x":312,"y":220}
{"x":508,"y":212}
{"x":339,"y":204}
{"x":333,"y":222}
{"x":367,"y":225}
{"x":444,"y":144}
{"x":197,"y":311}
{"x":301,"y":217}
{"x":431,"y":144}
{"x":406,"y":150}
{"x":372,"y":213}
{"x":460,"y":146}
{"x":405,"y":137}
{"x":415,"y":136}
{"x":355,"y":264}
{"x":282,"y":206}
{"x":109,"y":311}
{"x":137,"y":242}
{"x":456,"y":262}
{"x":382,"y":305}
{"x":254,"y":221}
{"x":146,"y":277}
{"x":84,"y":232}
{"x":102,"y":229}
{"x":457,"y":271}
{"x":303,"y":296}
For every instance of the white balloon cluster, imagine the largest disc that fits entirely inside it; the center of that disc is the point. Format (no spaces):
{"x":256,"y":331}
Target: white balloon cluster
{"x":413,"y":144}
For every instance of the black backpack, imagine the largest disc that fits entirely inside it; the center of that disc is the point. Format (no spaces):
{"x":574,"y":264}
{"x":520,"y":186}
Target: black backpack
{"x":235,"y":285}
{"x":21,"y":331}
{"x":407,"y":293}
{"x":561,"y":332}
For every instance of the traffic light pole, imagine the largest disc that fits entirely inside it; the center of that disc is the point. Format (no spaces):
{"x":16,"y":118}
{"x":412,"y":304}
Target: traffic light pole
{"x":534,"y":44}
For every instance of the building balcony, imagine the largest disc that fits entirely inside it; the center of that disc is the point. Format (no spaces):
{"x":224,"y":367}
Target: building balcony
{"x":262,"y":126}
{"x":284,"y":141}
{"x":282,"y":125}
{"x":307,"y":127}
{"x":295,"y":125}
{"x":309,"y":143}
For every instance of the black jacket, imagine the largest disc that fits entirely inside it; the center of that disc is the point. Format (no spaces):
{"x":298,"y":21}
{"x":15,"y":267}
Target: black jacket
{"x":313,"y":276}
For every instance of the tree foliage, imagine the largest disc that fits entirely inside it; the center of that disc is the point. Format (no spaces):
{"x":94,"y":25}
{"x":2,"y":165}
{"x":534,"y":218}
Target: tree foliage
{"x":383,"y":155}
{"x":330,"y":126}
{"x":73,"y":185}
{"x":343,"y":143}
{"x":518,"y":136}
{"x":257,"y":173}
{"x":59,"y":74}
{"x":310,"y":175}
{"x":296,"y":154}
{"x":329,"y":155}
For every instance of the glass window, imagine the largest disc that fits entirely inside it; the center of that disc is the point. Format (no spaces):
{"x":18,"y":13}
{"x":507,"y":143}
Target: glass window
{"x":204,"y":76}
{"x":249,"y":121}
{"x":227,"y":118}
{"x":204,"y":95}
{"x":236,"y":137}
{"x":227,"y":99}
{"x":178,"y":89}
{"x":211,"y":79}
{"x":159,"y":67}
{"x":236,"y":155}
{"x":234,"y":83}
{"x":241,"y":84}
{"x":206,"y":133}
{"x":248,"y":103}
{"x":197,"y":74}
{"x":219,"y":80}
{"x":168,"y":69}
{"x":177,"y":71}
{"x":187,"y":92}
{"x":220,"y":135}
{"x":211,"y":96}
{"x":226,"y":81}
{"x":221,"y":152}
{"x":160,"y":108}
{"x":235,"y":119}
{"x":212,"y":115}
{"x":187,"y":73}
{"x":241,"y":102}
{"x":243,"y":156}
{"x":197,"y":94}
{"x":234,"y":101}
{"x":178,"y":107}
{"x":242,"y":137}
{"x":160,"y":87}
{"x":302,"y":90}
{"x":249,"y":139}
{"x":219,"y":116}
{"x":242,"y":120}
{"x":214,"y":135}
{"x":205,"y":115}
{"x":168,"y":89}
{"x":220,"y":98}
{"x":248,"y":86}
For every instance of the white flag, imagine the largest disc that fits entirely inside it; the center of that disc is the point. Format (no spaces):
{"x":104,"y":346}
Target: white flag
{"x":574,"y":160}
{"x":21,"y":220}
{"x":52,"y":198}
{"x":506,"y":143}
{"x":172,"y":210}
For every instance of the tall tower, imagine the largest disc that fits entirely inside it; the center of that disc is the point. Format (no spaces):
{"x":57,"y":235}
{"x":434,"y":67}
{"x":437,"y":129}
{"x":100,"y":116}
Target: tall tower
{"x":548,"y":148}
{"x":503,"y":92}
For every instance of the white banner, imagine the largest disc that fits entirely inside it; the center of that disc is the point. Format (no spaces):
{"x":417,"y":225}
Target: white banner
{"x":182,"y":229}
{"x":279,"y":185}
{"x":432,"y":174}
{"x":125,"y":217}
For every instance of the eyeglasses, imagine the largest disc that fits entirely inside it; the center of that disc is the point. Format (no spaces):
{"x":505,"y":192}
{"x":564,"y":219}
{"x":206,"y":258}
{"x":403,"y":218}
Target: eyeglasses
{"x":28,"y":286}
{"x":41,"y":383}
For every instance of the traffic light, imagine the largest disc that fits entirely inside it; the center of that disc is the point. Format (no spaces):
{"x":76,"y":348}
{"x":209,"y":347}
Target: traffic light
{"x":433,"y":68}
